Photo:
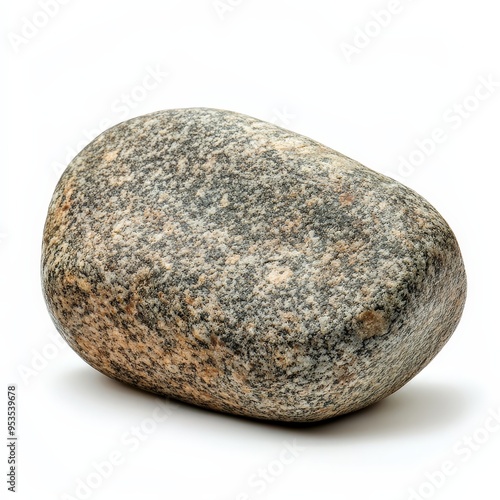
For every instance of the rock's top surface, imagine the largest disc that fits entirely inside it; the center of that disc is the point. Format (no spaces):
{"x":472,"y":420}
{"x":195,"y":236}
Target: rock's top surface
{"x":222,"y":260}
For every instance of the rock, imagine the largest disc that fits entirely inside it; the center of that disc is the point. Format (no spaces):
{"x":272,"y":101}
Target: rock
{"x":224,"y":261}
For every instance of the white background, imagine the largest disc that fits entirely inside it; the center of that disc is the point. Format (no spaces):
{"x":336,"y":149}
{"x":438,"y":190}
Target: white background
{"x":86,"y":67}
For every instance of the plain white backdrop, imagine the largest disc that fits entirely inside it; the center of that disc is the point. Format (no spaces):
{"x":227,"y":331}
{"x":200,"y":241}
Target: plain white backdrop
{"x":408,"y":88}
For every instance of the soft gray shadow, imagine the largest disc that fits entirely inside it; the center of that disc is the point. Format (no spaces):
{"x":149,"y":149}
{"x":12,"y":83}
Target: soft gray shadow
{"x":93,"y":389}
{"x":417,"y":408}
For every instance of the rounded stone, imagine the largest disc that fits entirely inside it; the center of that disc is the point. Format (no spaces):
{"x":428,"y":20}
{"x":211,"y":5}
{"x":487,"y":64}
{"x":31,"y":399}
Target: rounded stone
{"x":224,"y":261}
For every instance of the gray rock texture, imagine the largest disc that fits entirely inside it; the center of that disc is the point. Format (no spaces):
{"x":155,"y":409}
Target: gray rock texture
{"x":227,"y":262}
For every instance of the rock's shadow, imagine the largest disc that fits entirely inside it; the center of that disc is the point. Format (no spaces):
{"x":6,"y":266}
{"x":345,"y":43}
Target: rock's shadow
{"x":417,"y":408}
{"x":99,"y":391}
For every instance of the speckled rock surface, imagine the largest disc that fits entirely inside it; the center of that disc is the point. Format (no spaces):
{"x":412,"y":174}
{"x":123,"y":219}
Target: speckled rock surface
{"x":212,"y":257}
